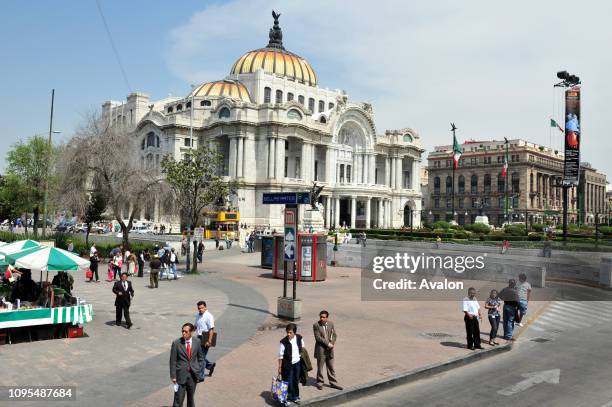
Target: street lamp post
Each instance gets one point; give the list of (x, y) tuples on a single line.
[(46, 196)]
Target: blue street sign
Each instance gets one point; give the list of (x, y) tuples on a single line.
[(286, 198)]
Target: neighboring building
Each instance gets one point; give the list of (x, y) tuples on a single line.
[(279, 131), (608, 204), (534, 172), (591, 195)]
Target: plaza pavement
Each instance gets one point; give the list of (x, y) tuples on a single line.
[(376, 340)]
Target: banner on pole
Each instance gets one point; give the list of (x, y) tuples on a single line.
[(290, 232), (573, 132)]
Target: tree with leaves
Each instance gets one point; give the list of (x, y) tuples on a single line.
[(96, 205), (196, 186), (105, 159), (31, 164)]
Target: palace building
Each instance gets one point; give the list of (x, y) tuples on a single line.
[(279, 130)]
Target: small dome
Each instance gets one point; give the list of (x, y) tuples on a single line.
[(276, 61), (227, 88)]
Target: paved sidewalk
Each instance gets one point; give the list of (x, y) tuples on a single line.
[(376, 340)]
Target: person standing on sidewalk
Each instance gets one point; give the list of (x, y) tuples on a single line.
[(155, 265), (492, 305), (173, 261), (325, 340), (124, 293), (93, 263), (524, 292), (471, 310), (185, 360), (289, 365), (205, 328), (141, 263), (511, 302)]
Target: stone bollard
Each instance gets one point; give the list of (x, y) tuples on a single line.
[(543, 277), (605, 273)]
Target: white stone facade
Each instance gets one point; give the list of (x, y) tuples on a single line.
[(271, 144)]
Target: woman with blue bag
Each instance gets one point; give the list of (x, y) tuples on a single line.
[(289, 366)]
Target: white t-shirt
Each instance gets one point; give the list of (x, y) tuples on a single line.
[(471, 306), (523, 289), (204, 322), (295, 351), (92, 251)]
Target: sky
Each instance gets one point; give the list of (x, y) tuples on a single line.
[(486, 66)]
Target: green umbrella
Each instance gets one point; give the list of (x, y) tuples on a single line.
[(17, 246), (49, 258)]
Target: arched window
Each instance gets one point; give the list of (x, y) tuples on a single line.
[(267, 95), (501, 183), (294, 114), (301, 100), (461, 184), (311, 103), (170, 109), (151, 140), (487, 184), (407, 138), (322, 119), (205, 103), (436, 185), (321, 106), (279, 96), (179, 107), (515, 182), (142, 145), (474, 184), (531, 182), (224, 113), (188, 105), (330, 106), (289, 97), (449, 185)]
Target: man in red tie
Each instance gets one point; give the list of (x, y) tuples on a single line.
[(186, 357)]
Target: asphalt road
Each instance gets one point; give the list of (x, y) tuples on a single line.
[(563, 359)]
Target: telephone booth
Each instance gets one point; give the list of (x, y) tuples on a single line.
[(311, 257)]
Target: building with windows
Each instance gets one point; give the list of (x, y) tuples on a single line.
[(534, 174), (279, 130), (591, 195)]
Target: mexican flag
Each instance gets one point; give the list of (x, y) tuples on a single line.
[(456, 152), (553, 123), (505, 168)]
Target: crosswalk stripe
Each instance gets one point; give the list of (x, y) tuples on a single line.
[(537, 328), (561, 312), (587, 305), (572, 324)]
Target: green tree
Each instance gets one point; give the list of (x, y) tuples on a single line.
[(32, 163), (13, 197), (96, 205), (196, 186)]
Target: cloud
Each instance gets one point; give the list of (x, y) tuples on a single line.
[(487, 66)]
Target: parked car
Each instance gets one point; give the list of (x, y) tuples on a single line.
[(143, 230)]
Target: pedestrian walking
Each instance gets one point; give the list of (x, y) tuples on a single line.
[(155, 265), (492, 305), (438, 241), (185, 360), (93, 263), (131, 265), (141, 262), (547, 249), (200, 251), (524, 292), (325, 340), (471, 311), (205, 330), (172, 262), (363, 239), (505, 246), (124, 293), (117, 263), (183, 245), (289, 361), (216, 241), (511, 302)]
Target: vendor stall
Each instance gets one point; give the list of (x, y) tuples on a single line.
[(74, 315)]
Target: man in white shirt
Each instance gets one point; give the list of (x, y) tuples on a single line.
[(289, 361), (524, 292), (93, 250), (205, 327), (471, 310)]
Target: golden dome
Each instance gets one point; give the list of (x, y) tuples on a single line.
[(276, 61), (227, 88)]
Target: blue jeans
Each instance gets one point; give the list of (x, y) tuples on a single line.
[(509, 317), (293, 391), (172, 270), (207, 364), (522, 310)]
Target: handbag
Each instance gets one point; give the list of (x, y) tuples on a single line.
[(89, 274), (279, 390)]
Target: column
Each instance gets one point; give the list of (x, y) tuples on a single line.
[(240, 156), (392, 169), (388, 171), (271, 157), (381, 222), (337, 212), (366, 172), (398, 173), (356, 169), (330, 166), (306, 161), (249, 156), (328, 204), (372, 169), (233, 148), (416, 175), (368, 212), (280, 159), (353, 212), (391, 214), (156, 216)]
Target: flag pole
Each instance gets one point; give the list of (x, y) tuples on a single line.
[(506, 181), (453, 128)]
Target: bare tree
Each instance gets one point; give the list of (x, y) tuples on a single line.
[(104, 159)]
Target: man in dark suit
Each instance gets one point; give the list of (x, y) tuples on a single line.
[(186, 357), (124, 294), (325, 340)]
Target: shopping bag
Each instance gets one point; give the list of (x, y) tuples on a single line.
[(279, 390), (89, 274)]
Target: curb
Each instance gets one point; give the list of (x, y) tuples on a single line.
[(402, 378), (416, 374)]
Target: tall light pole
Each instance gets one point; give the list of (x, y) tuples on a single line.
[(50, 148)]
